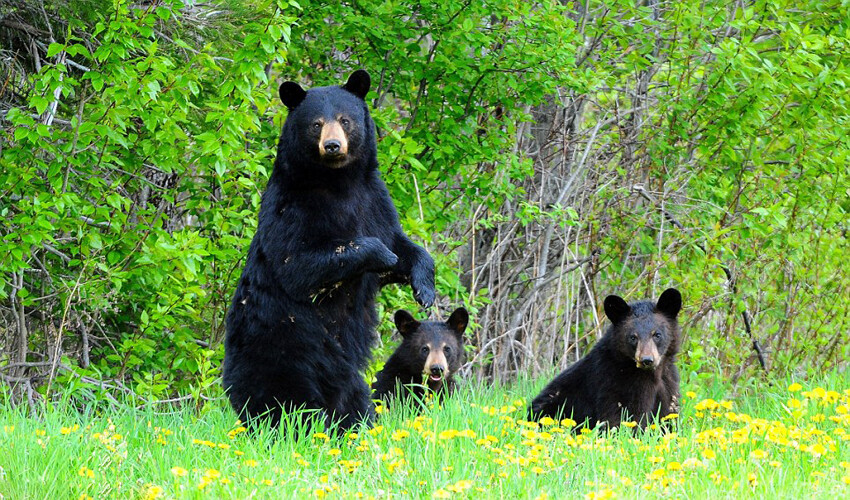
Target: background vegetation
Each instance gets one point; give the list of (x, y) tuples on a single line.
[(546, 153)]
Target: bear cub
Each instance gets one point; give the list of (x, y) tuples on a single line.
[(431, 352), (629, 373)]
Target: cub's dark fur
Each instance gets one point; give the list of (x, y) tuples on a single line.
[(631, 371), (430, 353)]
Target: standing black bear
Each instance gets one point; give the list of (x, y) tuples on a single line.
[(630, 370), (302, 321), (430, 354)]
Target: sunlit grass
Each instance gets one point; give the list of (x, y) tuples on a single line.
[(788, 441)]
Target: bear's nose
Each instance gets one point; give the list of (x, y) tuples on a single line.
[(647, 361), (332, 146), (437, 370)]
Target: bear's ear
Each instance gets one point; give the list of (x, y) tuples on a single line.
[(358, 83), (670, 303), (291, 94), (616, 308), (458, 321), (405, 323)]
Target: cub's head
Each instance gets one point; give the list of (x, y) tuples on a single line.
[(643, 331), (328, 126), (434, 347)]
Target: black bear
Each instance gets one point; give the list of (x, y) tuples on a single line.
[(430, 353), (631, 371), (302, 321)]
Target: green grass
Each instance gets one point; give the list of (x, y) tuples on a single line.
[(778, 444)]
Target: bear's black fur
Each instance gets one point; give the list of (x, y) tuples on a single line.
[(430, 353), (631, 370), (302, 321)]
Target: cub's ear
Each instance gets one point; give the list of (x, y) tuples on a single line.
[(670, 303), (458, 320), (616, 308), (291, 94), (358, 83), (405, 323)]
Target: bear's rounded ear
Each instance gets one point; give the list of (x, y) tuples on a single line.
[(616, 308), (291, 94), (358, 83), (405, 323), (458, 321), (670, 303)]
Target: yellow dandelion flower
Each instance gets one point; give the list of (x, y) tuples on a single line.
[(758, 454), (321, 436), (774, 463), (250, 463), (399, 434), (817, 449), (447, 434), (334, 452), (691, 395), (708, 454), (441, 493), (547, 421), (630, 425), (655, 475), (179, 471), (153, 492), (674, 466), (795, 387), (212, 473), (655, 460), (600, 495), (460, 486), (319, 493), (568, 422)]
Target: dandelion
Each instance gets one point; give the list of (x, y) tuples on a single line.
[(86, 472), (795, 387), (441, 493), (250, 463), (334, 452), (399, 434), (758, 454), (321, 436), (153, 492), (708, 454), (179, 471)]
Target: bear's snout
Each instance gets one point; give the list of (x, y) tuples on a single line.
[(332, 146)]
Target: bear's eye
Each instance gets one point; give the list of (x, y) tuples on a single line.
[(425, 349), (633, 338), (344, 121), (317, 125), (656, 335), (447, 349)]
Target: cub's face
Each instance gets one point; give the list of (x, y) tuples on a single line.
[(432, 346), (329, 125), (645, 332)]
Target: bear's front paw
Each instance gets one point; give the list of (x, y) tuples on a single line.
[(377, 256), (423, 291)]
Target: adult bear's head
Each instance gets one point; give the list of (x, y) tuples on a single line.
[(328, 127)]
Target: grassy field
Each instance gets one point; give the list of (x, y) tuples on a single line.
[(790, 441)]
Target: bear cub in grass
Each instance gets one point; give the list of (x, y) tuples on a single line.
[(302, 321), (630, 373), (431, 352)]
